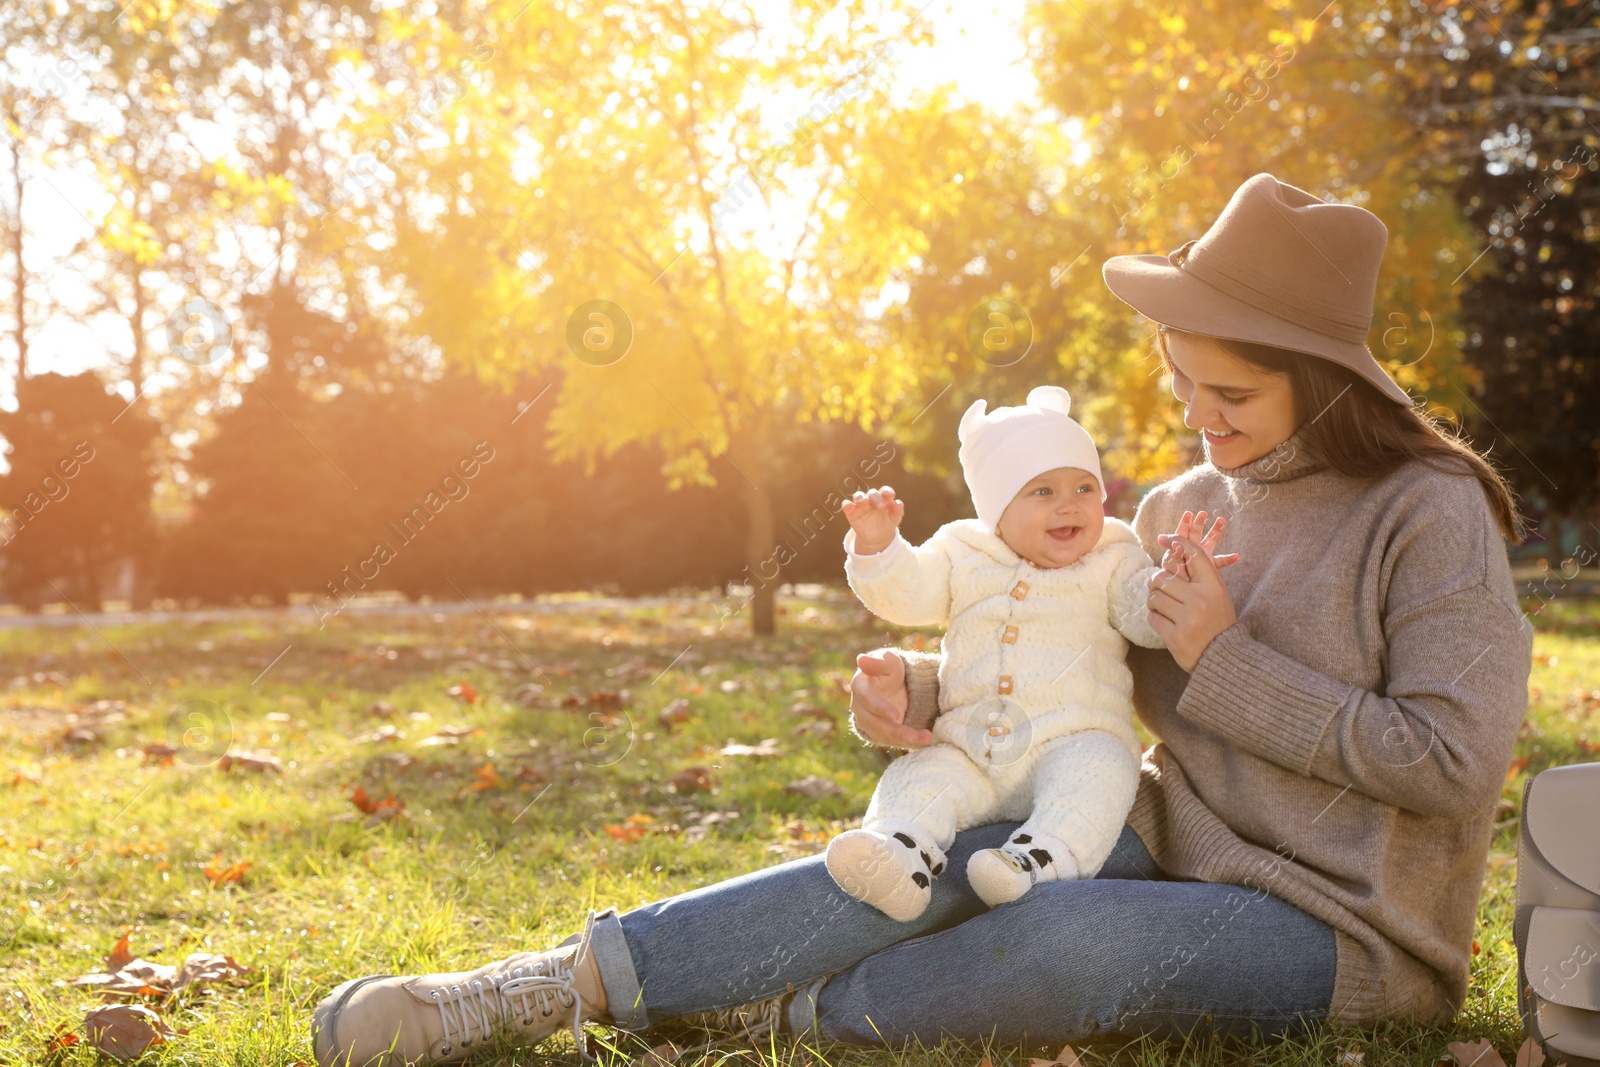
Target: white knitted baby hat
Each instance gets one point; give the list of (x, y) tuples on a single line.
[(1004, 450)]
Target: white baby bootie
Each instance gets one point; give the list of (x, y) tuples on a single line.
[(891, 867), (1001, 875)]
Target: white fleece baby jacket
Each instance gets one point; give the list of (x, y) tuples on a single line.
[(1045, 646)]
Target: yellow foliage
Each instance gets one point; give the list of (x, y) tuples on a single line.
[(788, 242)]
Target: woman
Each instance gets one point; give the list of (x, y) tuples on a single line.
[(1334, 715)]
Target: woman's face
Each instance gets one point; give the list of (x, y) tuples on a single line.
[(1242, 411)]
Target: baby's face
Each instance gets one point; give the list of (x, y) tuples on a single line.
[(1054, 519)]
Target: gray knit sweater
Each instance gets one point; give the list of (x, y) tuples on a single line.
[(1342, 746)]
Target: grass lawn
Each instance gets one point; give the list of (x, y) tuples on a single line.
[(535, 774)]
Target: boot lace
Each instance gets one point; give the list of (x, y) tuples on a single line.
[(472, 1012), (747, 1020)]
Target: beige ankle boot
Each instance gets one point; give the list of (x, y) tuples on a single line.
[(395, 1020), (794, 1011)]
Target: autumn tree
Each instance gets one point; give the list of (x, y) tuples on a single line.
[(1185, 101), (77, 497), (38, 64), (1508, 91), (635, 198)]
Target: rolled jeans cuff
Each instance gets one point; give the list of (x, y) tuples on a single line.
[(624, 999)]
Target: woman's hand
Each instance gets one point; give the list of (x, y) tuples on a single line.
[(1189, 612), (878, 702)]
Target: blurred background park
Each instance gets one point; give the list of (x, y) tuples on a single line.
[(317, 303)]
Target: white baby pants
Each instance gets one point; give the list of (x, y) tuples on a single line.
[(1076, 789)]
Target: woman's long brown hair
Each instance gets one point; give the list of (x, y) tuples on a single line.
[(1359, 430)]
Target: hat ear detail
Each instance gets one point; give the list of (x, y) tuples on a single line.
[(1051, 398), (972, 419)]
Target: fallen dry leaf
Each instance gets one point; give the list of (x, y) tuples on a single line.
[(61, 1039), (1475, 1053), (220, 875), (41, 678), (799, 831), (813, 729), (279, 716), (632, 829), (674, 714), (120, 956), (807, 710), (814, 787), (487, 778), (377, 811), (450, 735), (660, 1056), (1530, 1054), (767, 747), (260, 762), (125, 1031), (1067, 1057), (136, 978), (206, 967), (159, 752), (145, 978), (386, 732), (701, 823), (1353, 1057), (382, 709), (529, 694), (463, 691), (692, 780)]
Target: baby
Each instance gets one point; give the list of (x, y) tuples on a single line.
[(1040, 594)]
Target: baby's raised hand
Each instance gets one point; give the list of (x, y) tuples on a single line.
[(1192, 528), (874, 516)]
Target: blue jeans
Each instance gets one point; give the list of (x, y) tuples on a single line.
[(1127, 952)]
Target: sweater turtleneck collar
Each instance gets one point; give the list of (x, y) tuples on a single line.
[(1291, 459)]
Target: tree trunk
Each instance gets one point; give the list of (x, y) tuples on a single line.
[(22, 277), (89, 579), (140, 597), (761, 565), (1554, 555), (762, 561), (136, 368)]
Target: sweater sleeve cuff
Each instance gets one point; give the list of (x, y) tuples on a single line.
[(867, 568), (1261, 699), (922, 687)]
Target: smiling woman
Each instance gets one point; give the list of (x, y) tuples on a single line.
[(1247, 398)]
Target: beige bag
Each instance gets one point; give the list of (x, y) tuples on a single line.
[(1557, 928)]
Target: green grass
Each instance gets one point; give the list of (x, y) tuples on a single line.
[(96, 840)]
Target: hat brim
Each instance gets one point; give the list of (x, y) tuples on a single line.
[(1156, 289)]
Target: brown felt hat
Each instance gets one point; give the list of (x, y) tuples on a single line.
[(1278, 267)]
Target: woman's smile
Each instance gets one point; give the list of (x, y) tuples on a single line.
[(1241, 411)]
